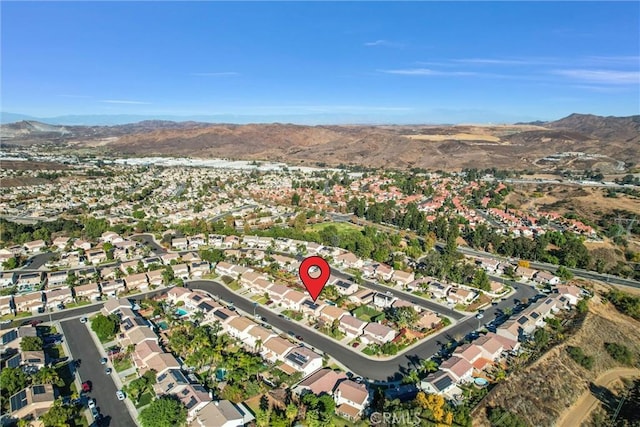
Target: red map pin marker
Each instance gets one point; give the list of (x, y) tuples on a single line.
[(314, 285)]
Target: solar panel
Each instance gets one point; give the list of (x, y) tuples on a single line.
[(221, 315), (297, 358), (9, 336), (14, 362), (39, 389), (18, 400), (522, 320), (443, 382)]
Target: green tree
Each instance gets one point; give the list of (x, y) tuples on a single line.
[(164, 412), (481, 280), (428, 365), (48, 375), (58, 415), (295, 199), (31, 344), (105, 327), (93, 227), (12, 380), (619, 352), (10, 264)]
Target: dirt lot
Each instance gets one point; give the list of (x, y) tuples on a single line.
[(541, 392)]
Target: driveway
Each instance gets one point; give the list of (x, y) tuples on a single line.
[(104, 390)]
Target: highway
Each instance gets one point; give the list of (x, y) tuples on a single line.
[(465, 250), (378, 370)]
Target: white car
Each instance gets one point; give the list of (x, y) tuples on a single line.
[(120, 395), (83, 320), (92, 403)]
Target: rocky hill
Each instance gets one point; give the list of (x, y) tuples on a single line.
[(613, 139)]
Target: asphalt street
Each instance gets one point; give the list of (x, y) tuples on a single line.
[(378, 370), (103, 388)]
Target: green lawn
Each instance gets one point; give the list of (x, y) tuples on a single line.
[(260, 299), (341, 226), (234, 286), (368, 351), (77, 304), (122, 364), (366, 313), (21, 314)]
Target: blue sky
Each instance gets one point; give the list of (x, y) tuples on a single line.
[(411, 62)]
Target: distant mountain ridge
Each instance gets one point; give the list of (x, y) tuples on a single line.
[(615, 141)]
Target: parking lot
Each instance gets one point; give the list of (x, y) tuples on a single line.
[(103, 388)]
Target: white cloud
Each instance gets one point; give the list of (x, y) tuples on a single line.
[(427, 72), (124, 101), (216, 74), (384, 43), (601, 76), (490, 61)]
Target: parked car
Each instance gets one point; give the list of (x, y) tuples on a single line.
[(92, 403), (120, 395), (103, 361), (86, 386), (35, 322), (107, 371), (83, 320)]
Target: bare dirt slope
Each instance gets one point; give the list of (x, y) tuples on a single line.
[(520, 146), (541, 392), (580, 411)]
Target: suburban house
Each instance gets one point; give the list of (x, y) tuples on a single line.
[(222, 413), (438, 290), (351, 399), (238, 327), (155, 277), (352, 326), (35, 246), (81, 244), (257, 336), (440, 382), (321, 381), (293, 300), (428, 320), (57, 278), (5, 304), (58, 296), (364, 296), (275, 349), (377, 333), (525, 272), (546, 278), (28, 281), (461, 296), (194, 397), (329, 313), (7, 279), (460, 369), (143, 352), (180, 271), (383, 300), (60, 242), (349, 260), (168, 257), (490, 265), (402, 277), (160, 363), (96, 256), (303, 360), (180, 243), (383, 271), (178, 293), (199, 268), (32, 401), (572, 293), (112, 287), (28, 302), (346, 288), (224, 316), (136, 281)]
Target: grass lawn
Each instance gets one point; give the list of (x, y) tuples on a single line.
[(234, 286), (260, 299), (341, 226), (122, 364), (295, 315), (21, 314), (77, 304), (366, 313), (368, 351)]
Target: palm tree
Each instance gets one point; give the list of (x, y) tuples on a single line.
[(258, 345), (198, 316), (428, 365), (48, 375)]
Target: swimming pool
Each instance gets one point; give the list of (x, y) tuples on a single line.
[(181, 312), (481, 382), (163, 325)]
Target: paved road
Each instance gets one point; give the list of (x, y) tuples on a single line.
[(405, 295), (149, 240), (104, 390), (37, 261), (383, 370)]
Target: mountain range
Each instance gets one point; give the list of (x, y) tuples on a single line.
[(610, 144)]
